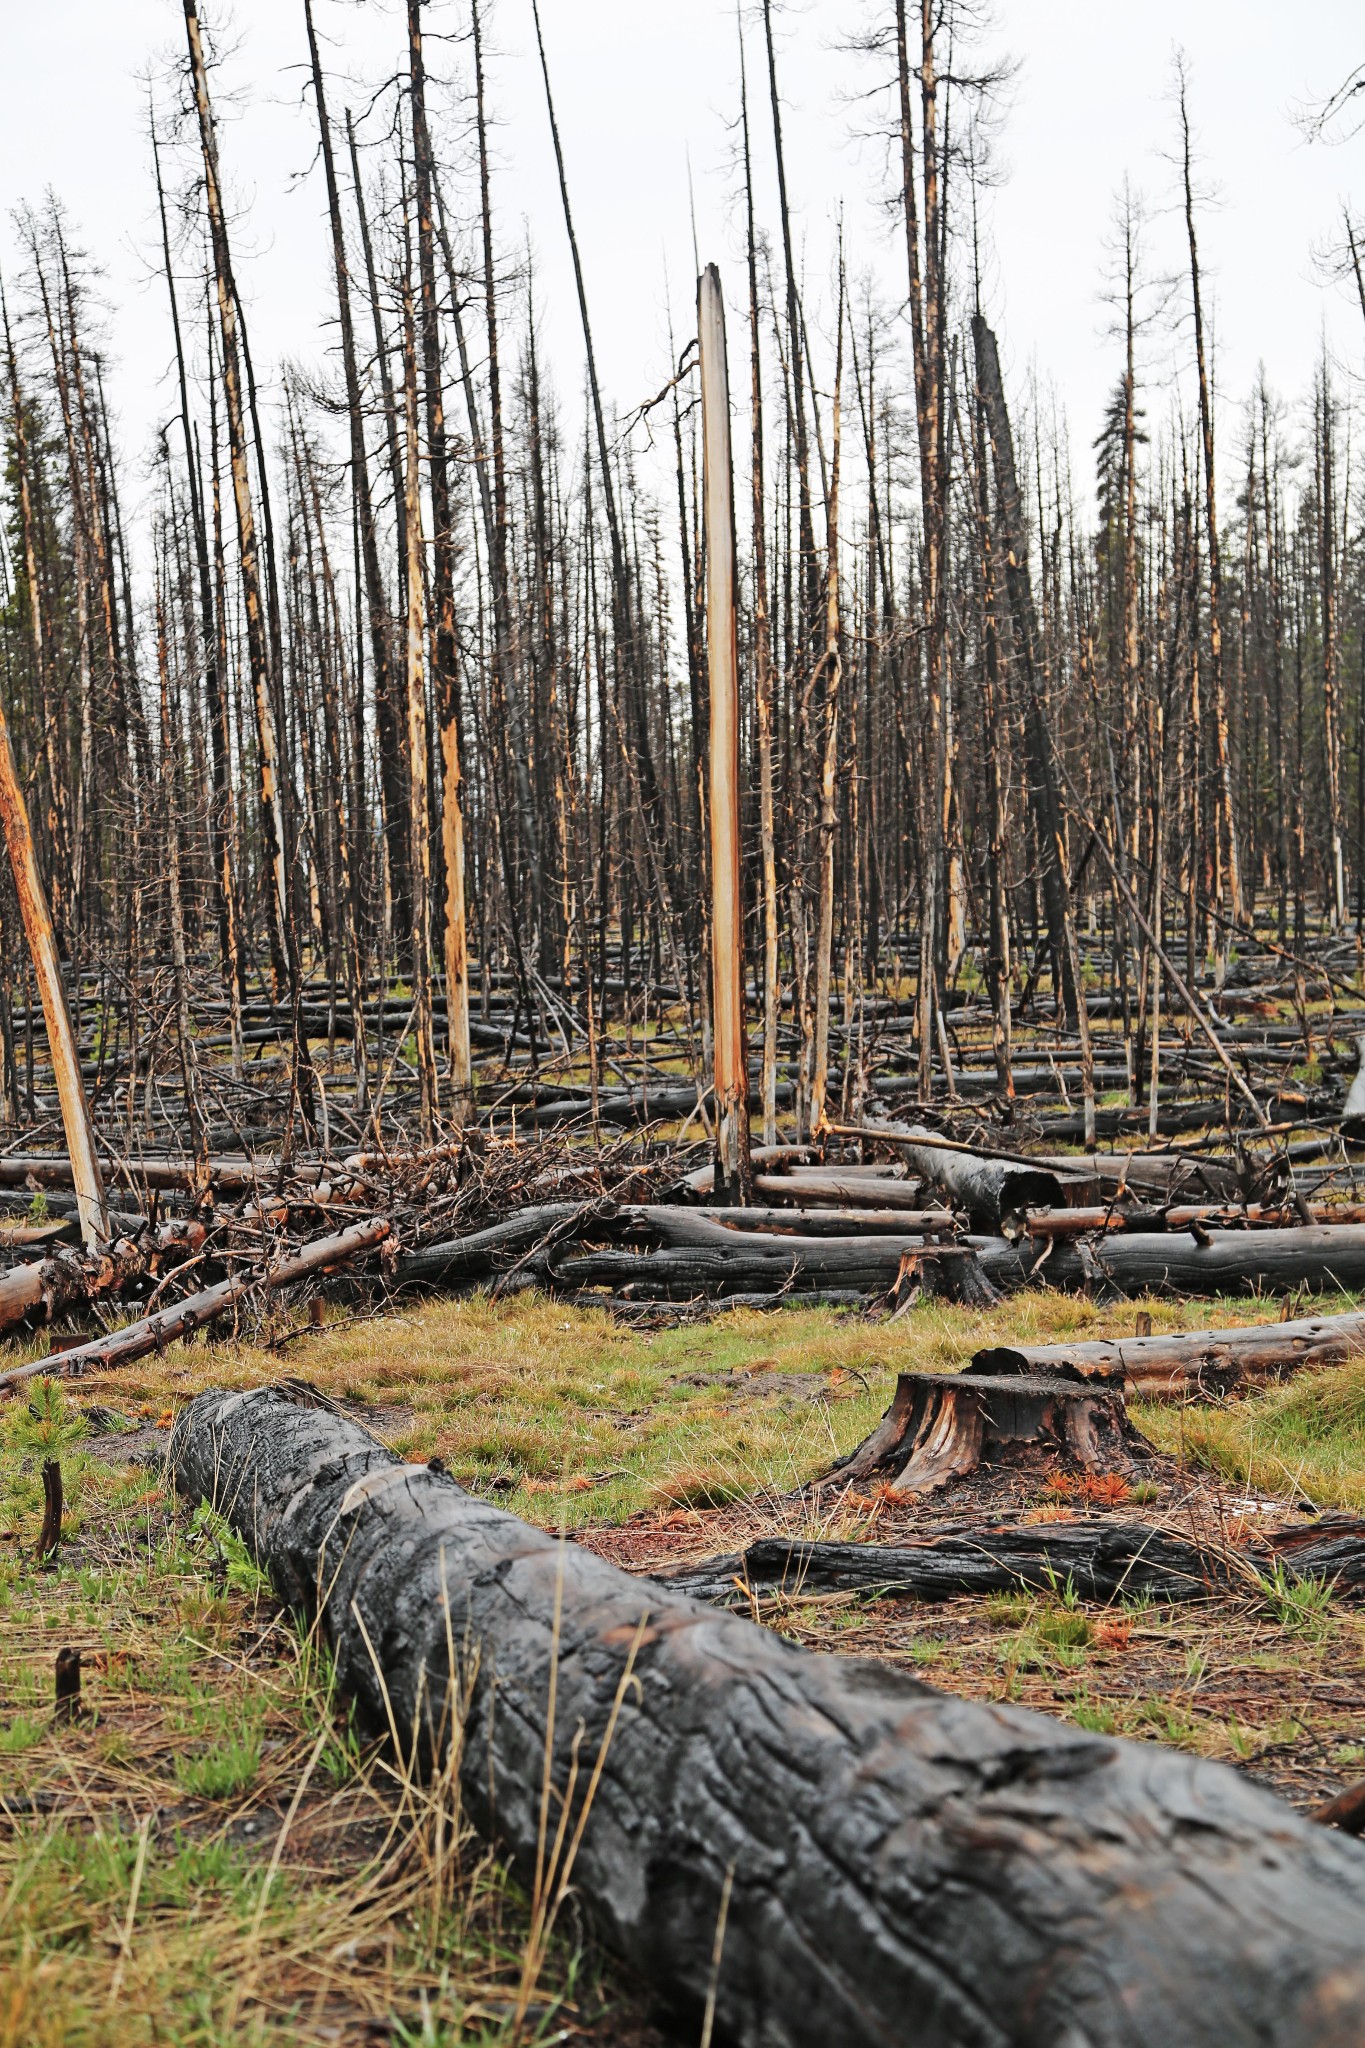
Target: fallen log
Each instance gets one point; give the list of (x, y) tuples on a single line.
[(847, 1190), (231, 1173), (1324, 1257), (1101, 1560), (1184, 1363), (154, 1332), (483, 1252), (753, 1263), (891, 1859), (43, 1289), (990, 1190), (941, 1426), (1104, 1559), (1149, 1173)]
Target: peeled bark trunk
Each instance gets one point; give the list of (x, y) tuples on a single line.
[(888, 1856)]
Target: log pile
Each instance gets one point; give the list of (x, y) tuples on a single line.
[(889, 1856)]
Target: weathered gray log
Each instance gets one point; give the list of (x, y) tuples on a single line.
[(941, 1426), (1185, 1363), (753, 1262), (898, 1863), (990, 1190), (1189, 1174), (483, 1252), (1322, 1256)]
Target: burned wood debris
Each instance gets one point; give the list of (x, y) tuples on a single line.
[(872, 1847)]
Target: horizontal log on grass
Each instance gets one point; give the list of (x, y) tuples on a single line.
[(1178, 1363), (1322, 1257), (154, 1333), (1102, 1560), (868, 1265), (883, 1859)]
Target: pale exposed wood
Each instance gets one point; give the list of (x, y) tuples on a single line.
[(733, 1171)]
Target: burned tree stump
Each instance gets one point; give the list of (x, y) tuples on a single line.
[(50, 1533), (67, 1705), (941, 1426)]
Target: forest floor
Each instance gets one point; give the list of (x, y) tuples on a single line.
[(208, 1853)]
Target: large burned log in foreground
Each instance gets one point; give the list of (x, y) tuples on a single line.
[(900, 1864)]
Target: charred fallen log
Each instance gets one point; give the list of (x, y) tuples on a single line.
[(1184, 1363), (990, 1190), (884, 1850), (1104, 1559), (941, 1426), (1101, 1560), (754, 1263)]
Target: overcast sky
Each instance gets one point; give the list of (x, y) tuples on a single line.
[(647, 96)]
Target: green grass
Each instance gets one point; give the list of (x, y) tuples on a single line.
[(137, 1908), (1305, 1437)]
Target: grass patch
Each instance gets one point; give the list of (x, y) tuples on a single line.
[(1304, 1438)]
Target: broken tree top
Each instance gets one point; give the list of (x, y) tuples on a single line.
[(896, 1865)]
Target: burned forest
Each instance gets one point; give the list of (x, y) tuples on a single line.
[(682, 1060)]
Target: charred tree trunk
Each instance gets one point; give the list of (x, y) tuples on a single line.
[(870, 1847)]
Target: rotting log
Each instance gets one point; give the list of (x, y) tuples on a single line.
[(942, 1426), (169, 1325), (1183, 1363), (891, 1858)]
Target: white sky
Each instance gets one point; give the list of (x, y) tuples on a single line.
[(646, 88)]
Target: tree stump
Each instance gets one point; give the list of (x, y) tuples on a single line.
[(942, 1426)]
